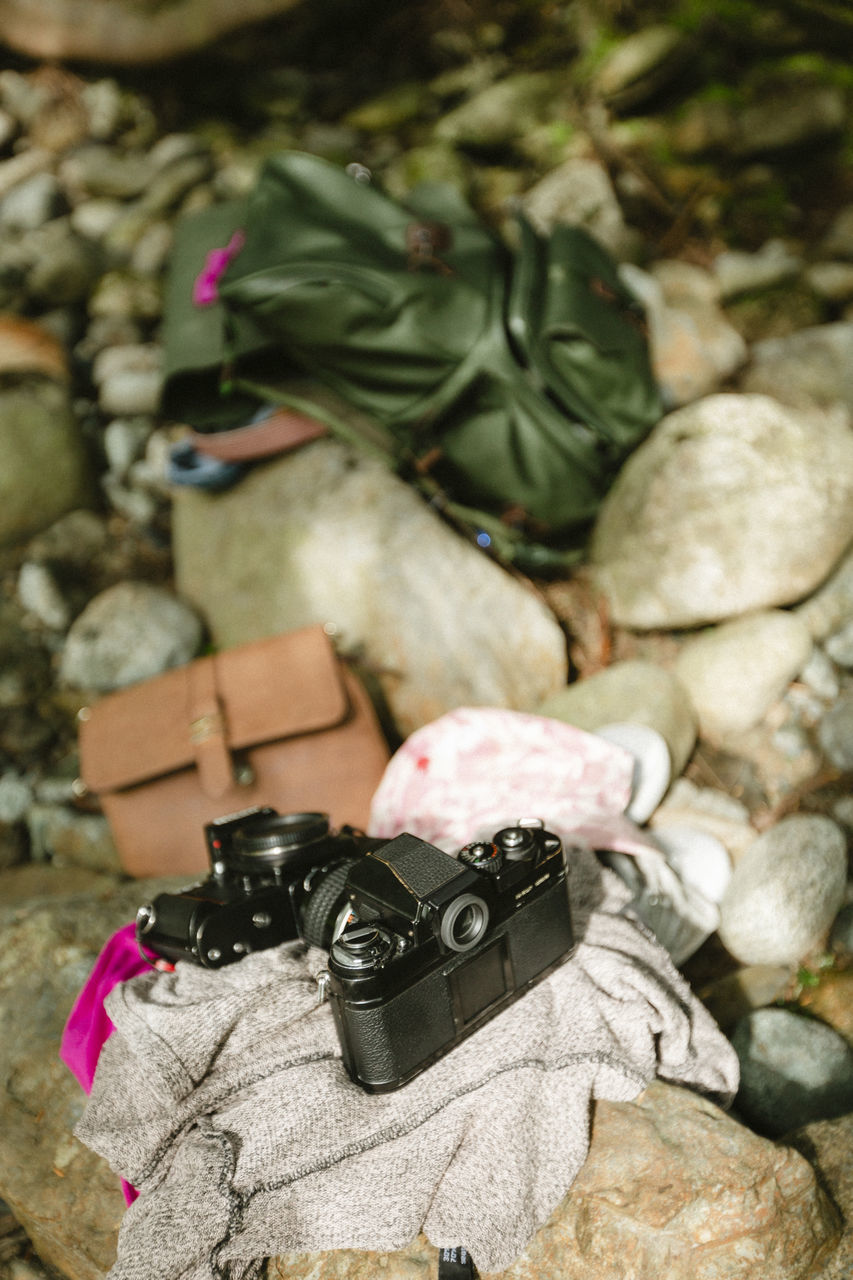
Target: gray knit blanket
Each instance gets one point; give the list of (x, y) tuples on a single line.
[(221, 1096)]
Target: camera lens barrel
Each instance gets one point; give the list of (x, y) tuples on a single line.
[(324, 904)]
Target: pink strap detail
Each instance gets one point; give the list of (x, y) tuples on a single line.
[(206, 287), (89, 1025)]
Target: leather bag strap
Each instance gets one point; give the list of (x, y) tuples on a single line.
[(208, 729)]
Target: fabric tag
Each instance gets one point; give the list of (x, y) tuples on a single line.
[(456, 1264)]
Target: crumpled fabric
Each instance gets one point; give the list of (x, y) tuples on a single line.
[(476, 769), (222, 1097)]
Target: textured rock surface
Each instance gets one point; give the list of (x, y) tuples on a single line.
[(321, 536), (67, 1198), (827, 1145), (733, 503), (672, 1188)]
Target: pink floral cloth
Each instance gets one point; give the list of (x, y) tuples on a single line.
[(477, 769)]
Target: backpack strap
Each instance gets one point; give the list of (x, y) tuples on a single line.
[(279, 431)]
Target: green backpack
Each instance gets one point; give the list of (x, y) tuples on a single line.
[(511, 385)]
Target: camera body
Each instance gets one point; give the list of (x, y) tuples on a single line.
[(274, 878), (437, 945)]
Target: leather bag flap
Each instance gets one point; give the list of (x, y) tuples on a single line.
[(269, 690)]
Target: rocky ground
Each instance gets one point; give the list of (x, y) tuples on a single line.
[(716, 603)]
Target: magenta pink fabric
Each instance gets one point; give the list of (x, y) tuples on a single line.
[(206, 287), (89, 1025)]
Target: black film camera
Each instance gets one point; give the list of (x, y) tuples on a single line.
[(274, 877), (438, 945)]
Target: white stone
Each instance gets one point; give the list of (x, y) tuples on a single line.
[(785, 892), (652, 766), (732, 504), (127, 633), (734, 672)]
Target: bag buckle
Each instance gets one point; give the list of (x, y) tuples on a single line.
[(210, 725)]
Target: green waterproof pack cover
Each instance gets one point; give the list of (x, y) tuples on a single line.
[(515, 382)]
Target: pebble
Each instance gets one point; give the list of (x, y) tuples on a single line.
[(813, 366), (31, 203), (785, 892), (15, 797), (831, 280), (732, 997), (734, 672), (634, 690), (839, 646), (706, 809), (39, 593), (819, 674), (693, 347), (738, 272), (127, 633), (835, 733), (793, 1070), (580, 192), (124, 443), (838, 241), (129, 379)]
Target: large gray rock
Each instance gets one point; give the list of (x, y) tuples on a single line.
[(785, 892), (39, 441), (734, 672), (734, 503), (325, 536), (793, 1070)]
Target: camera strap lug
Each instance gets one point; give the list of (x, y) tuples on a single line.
[(323, 980)]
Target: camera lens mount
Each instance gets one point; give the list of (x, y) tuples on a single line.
[(464, 922), (271, 840)]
